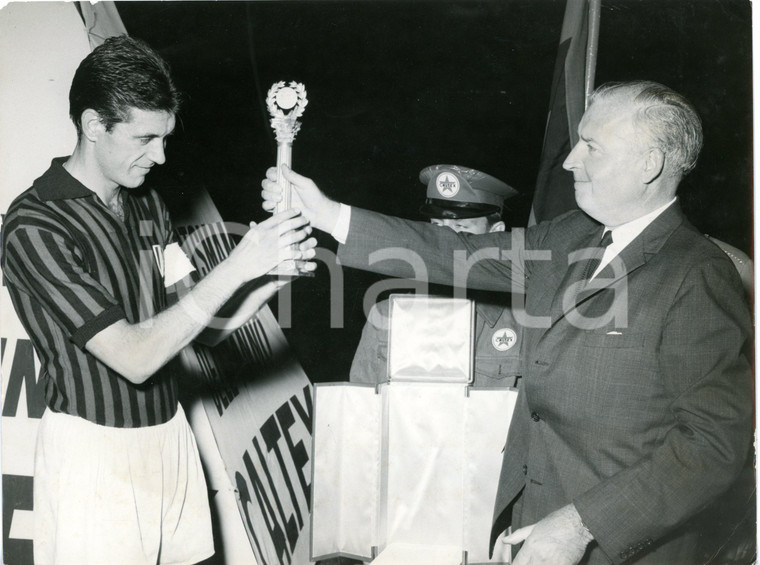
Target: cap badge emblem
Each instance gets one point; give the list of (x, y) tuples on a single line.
[(447, 185), (503, 339)]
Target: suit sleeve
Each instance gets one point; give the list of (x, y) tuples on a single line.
[(370, 364), (422, 251), (704, 371)]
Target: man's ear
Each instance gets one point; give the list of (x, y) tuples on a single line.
[(498, 226), (654, 162), (92, 125)]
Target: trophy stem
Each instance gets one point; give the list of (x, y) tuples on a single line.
[(284, 157), (284, 153)]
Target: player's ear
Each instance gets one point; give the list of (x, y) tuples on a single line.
[(92, 125)]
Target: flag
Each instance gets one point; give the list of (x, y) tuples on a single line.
[(571, 84), (102, 20)]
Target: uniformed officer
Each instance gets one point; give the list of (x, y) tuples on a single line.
[(464, 200)]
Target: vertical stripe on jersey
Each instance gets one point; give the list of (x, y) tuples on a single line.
[(68, 260)]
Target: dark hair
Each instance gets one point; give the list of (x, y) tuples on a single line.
[(121, 74), (667, 117)]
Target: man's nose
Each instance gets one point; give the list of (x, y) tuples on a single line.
[(571, 162), (157, 152)]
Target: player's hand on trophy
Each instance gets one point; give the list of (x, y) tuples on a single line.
[(318, 208), (278, 240)]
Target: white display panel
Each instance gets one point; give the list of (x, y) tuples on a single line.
[(409, 467), (430, 339)]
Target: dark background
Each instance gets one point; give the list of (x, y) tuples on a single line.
[(394, 86)]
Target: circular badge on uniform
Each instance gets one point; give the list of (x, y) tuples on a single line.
[(447, 185), (504, 339)]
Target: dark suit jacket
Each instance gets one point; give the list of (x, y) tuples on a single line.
[(640, 421)]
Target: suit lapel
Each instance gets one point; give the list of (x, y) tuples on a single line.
[(573, 274), (633, 256)]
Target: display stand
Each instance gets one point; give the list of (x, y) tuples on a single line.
[(407, 472)]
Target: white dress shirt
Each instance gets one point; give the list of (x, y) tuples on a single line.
[(624, 234)]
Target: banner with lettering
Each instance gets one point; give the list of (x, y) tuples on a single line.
[(258, 401)]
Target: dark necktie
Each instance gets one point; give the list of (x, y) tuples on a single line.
[(593, 262)]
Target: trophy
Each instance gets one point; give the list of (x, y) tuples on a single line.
[(285, 105)]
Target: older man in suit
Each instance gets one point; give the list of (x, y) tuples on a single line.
[(635, 411)]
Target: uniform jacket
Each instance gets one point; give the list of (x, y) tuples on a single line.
[(640, 421), (498, 340)]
